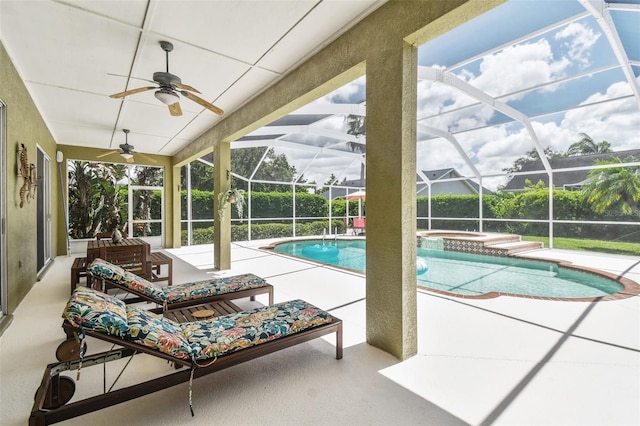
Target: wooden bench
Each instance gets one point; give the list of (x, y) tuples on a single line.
[(158, 259), (78, 270)]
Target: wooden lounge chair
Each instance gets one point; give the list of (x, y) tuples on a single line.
[(203, 346), (181, 295)]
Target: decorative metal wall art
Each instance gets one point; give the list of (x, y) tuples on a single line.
[(28, 173)]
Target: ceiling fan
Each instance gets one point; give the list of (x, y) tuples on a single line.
[(169, 85), (126, 150)]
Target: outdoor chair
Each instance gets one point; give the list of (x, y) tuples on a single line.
[(181, 295), (133, 259), (203, 346), (359, 225)]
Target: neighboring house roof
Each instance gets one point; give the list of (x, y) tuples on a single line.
[(463, 186), (341, 192), (564, 179)]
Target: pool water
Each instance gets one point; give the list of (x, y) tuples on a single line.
[(468, 274)]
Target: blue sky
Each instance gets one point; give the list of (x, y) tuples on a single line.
[(578, 47)]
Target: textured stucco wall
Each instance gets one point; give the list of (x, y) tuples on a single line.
[(24, 126)]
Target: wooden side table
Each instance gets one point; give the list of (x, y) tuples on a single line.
[(158, 259)]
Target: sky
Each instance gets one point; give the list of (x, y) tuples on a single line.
[(544, 76)]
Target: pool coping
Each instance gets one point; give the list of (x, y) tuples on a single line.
[(630, 287)]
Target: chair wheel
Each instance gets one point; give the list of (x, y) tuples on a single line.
[(69, 350), (59, 392)]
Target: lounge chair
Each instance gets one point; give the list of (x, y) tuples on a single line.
[(181, 295), (203, 346)]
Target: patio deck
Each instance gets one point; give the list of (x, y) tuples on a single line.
[(508, 361)]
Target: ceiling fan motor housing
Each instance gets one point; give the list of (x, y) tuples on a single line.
[(166, 78)]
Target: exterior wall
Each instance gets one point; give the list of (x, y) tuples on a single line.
[(454, 187), (24, 126)]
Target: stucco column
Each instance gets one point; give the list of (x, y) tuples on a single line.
[(391, 200), (222, 229), (176, 204)]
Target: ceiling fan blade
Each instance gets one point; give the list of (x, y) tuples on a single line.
[(107, 153), (129, 160), (202, 102), (131, 92), (185, 87), (175, 110), (146, 157), (130, 76)]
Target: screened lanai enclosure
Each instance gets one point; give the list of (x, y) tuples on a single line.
[(528, 122), (533, 129)]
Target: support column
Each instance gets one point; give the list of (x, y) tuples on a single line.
[(222, 229), (391, 200), (176, 201)]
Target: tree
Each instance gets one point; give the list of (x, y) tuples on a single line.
[(273, 168), (142, 199), (356, 124), (616, 187), (529, 157), (201, 176), (586, 145), (332, 180), (93, 198)]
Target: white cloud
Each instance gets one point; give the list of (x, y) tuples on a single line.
[(578, 39), (616, 122), (346, 93), (522, 65)]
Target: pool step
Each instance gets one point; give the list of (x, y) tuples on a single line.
[(489, 244), (513, 247)]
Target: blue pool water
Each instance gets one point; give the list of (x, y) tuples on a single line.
[(468, 274)]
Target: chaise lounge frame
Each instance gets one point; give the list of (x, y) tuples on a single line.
[(49, 385)]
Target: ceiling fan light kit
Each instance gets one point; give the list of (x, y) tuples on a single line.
[(167, 97), (167, 89)]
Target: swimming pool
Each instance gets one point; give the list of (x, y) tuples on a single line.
[(469, 275)]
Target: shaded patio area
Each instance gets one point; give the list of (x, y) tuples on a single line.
[(499, 361)]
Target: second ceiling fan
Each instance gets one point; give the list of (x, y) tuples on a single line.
[(168, 87), (126, 150)]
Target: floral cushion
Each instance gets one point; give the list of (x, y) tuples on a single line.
[(200, 289), (96, 311), (195, 340), (106, 270), (229, 333), (155, 331)]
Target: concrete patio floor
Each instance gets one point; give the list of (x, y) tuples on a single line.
[(505, 361)]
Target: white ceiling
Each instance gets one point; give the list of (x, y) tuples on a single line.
[(73, 54)]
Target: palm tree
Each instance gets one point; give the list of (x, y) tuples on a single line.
[(616, 187), (586, 145), (93, 198)]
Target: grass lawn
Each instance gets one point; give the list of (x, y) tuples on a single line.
[(613, 247)]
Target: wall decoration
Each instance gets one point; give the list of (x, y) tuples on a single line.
[(27, 172)]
